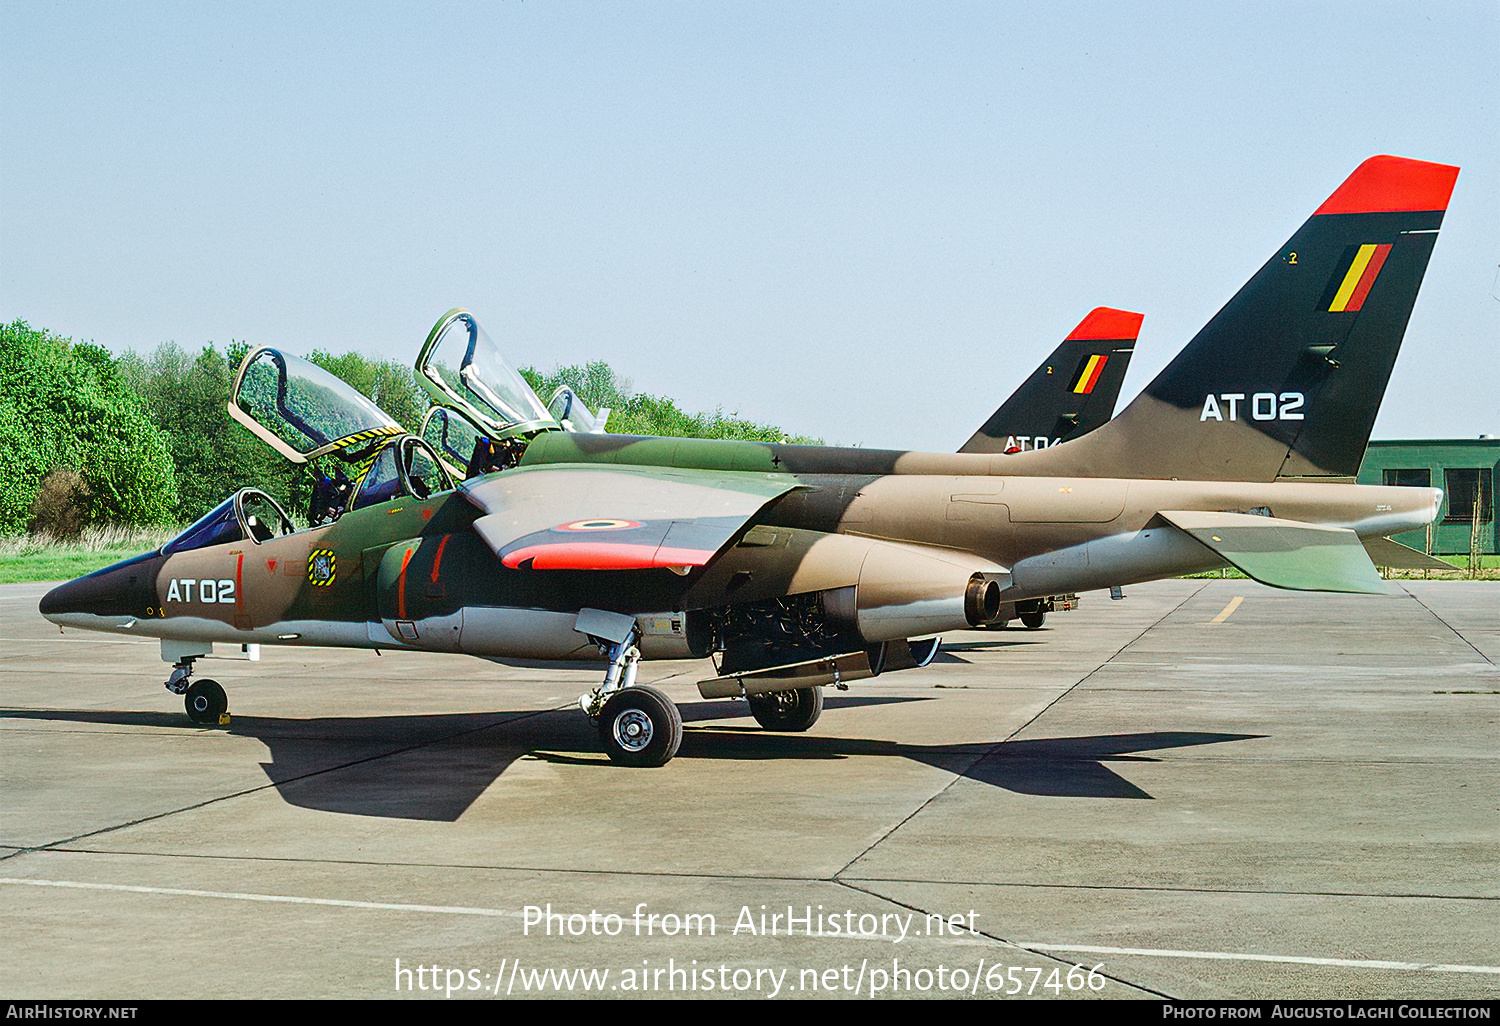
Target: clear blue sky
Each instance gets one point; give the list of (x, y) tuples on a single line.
[(864, 221)]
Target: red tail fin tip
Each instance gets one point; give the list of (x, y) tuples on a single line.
[(1103, 322), (1384, 184)]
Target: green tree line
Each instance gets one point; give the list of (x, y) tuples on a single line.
[(148, 439), (632, 413)]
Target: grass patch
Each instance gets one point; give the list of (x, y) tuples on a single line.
[(44, 558), (1489, 570)]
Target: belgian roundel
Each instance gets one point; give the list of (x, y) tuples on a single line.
[(598, 524)]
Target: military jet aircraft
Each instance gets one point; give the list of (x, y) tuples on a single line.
[(797, 567)]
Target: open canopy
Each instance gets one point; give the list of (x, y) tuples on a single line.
[(460, 366), (301, 410)]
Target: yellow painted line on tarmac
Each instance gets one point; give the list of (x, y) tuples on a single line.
[(1228, 610)]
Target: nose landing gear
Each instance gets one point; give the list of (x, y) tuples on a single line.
[(204, 699)]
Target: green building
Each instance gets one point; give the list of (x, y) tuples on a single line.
[(1464, 468)]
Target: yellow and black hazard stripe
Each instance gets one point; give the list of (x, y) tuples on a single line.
[(322, 567), (353, 440), (358, 468)]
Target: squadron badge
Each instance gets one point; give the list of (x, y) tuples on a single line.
[(322, 567)]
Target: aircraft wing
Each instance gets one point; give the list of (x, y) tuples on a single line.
[(577, 517), (1284, 553)]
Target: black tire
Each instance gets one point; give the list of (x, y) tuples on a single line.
[(1033, 620), (640, 727), (205, 701), (787, 711)]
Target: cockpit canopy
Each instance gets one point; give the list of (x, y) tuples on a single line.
[(453, 435), (249, 514), (301, 410), (304, 412), (573, 413), (460, 366)]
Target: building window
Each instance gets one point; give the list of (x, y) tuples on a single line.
[(1407, 478), (1464, 488)]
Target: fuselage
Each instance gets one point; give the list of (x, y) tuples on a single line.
[(413, 574)]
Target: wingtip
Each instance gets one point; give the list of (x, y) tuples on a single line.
[(1105, 322), (1387, 184)]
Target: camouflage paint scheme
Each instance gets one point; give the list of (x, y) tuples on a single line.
[(774, 555)]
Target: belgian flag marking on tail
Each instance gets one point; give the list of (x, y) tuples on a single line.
[(1357, 271), (1088, 373)]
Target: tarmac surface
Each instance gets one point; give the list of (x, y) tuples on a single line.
[(1208, 790)]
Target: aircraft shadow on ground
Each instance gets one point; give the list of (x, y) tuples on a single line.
[(434, 767)]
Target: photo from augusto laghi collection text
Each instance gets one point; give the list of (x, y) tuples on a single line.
[(994, 969)]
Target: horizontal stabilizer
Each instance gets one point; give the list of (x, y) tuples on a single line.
[(566, 517), (1284, 553), (1384, 552)]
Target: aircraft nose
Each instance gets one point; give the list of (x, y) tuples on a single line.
[(124, 589)]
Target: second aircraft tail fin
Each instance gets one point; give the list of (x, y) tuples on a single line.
[(1071, 393)]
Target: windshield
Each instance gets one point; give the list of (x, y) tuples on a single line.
[(215, 527), (460, 364), (300, 409), (248, 513), (404, 467)]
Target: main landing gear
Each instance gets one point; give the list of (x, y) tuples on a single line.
[(638, 726), (204, 699), (790, 711)]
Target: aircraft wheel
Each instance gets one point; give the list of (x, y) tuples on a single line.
[(790, 711), (1034, 620), (640, 726), (205, 701)]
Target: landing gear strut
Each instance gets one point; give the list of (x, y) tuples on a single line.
[(639, 726), (204, 699)]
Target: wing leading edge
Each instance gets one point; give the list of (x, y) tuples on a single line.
[(574, 517)]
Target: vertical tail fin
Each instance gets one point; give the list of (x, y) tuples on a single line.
[(1071, 393), (1286, 380)]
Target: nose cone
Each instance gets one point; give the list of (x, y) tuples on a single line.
[(124, 590)]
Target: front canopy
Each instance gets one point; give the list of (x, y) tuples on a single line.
[(301, 410)]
